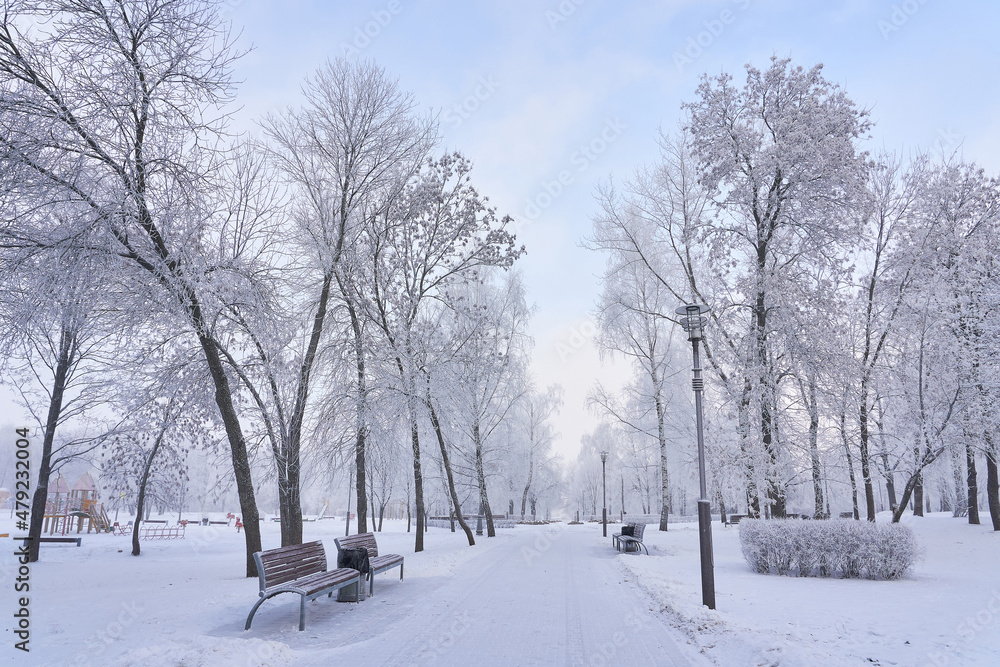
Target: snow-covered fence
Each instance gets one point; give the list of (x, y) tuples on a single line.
[(849, 549)]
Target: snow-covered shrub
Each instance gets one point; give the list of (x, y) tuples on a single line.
[(848, 549)]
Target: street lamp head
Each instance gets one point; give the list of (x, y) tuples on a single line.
[(604, 457), (692, 319)]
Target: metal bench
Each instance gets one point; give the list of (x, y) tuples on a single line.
[(299, 569), (378, 563), (628, 542)]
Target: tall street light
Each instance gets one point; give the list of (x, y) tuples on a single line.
[(604, 481), (693, 322)]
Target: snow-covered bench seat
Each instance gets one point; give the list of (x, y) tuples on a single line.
[(378, 563), (627, 542), (300, 569)]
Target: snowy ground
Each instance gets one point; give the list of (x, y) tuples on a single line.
[(534, 595), (947, 612)]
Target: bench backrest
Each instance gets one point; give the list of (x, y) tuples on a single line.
[(364, 540), (638, 529), (284, 564)]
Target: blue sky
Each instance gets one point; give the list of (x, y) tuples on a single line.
[(522, 85)]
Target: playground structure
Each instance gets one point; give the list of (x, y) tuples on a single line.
[(80, 503)]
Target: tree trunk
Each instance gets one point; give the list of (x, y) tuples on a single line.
[(661, 437), (961, 496), (237, 444), (890, 488), (866, 472), (484, 500), (361, 407), (907, 491), (446, 462), (531, 472), (743, 412), (850, 466), (918, 480), (67, 352), (817, 473), (918, 495), (887, 473), (418, 481), (970, 460), (142, 488), (992, 482), (775, 490), (289, 498)]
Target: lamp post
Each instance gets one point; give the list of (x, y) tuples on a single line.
[(692, 320), (604, 482)]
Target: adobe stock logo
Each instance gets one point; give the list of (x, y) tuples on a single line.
[(365, 34), (585, 155), (459, 112), (697, 44), (898, 17)]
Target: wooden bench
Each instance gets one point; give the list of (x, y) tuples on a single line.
[(300, 569), (378, 563), (734, 519), (57, 540)]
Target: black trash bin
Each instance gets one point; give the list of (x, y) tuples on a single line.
[(356, 559)]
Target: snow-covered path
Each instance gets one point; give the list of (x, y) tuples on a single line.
[(553, 596)]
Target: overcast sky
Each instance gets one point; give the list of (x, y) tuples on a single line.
[(534, 89)]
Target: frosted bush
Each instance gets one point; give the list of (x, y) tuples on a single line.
[(845, 548)]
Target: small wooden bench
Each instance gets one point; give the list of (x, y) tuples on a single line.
[(57, 540), (627, 542), (300, 569), (734, 519), (378, 563)]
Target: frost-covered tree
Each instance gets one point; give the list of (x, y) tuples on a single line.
[(346, 154), (633, 322), (437, 231), (488, 329), (780, 160), (60, 327), (533, 430), (137, 148)]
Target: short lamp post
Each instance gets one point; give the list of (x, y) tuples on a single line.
[(604, 482), (693, 322)]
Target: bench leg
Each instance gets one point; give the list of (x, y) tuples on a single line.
[(302, 613), (252, 612)]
